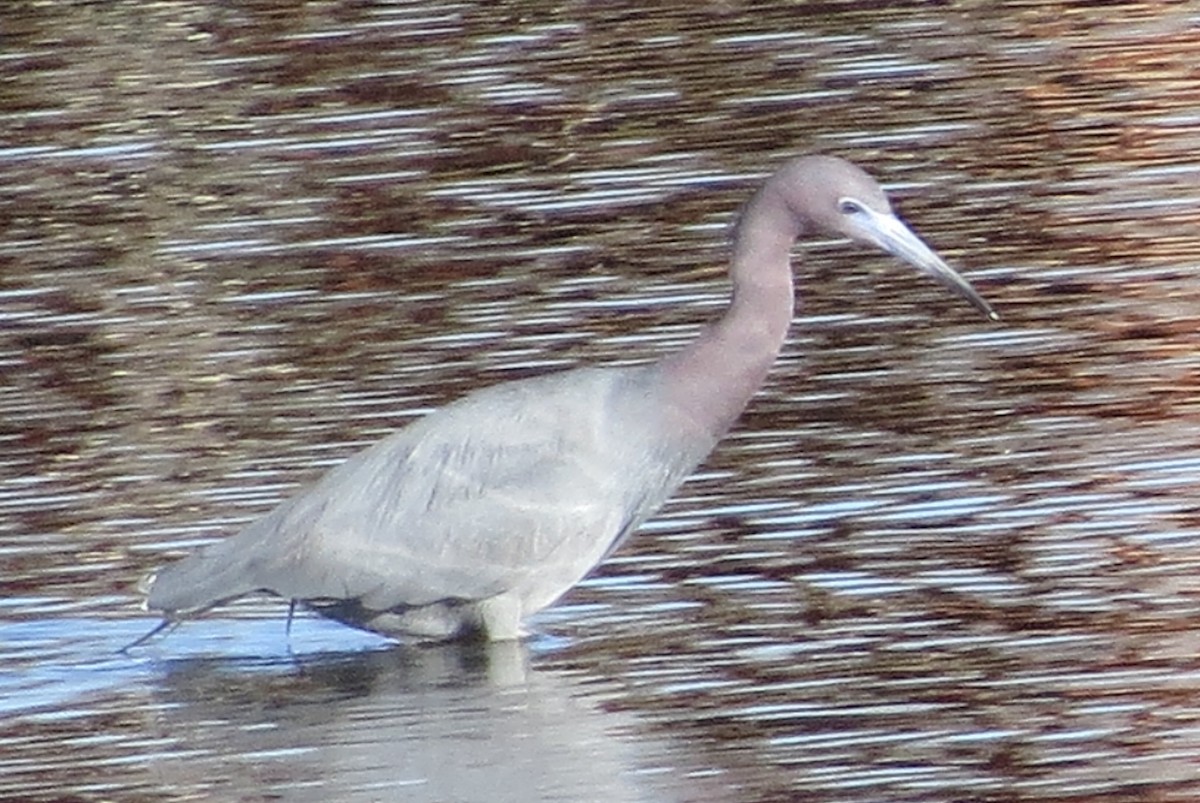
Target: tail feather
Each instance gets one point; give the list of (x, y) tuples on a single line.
[(200, 581)]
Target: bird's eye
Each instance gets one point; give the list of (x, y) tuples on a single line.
[(849, 206)]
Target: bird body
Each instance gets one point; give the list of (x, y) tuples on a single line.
[(487, 510), (459, 508)]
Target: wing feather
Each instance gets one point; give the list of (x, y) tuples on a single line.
[(463, 504)]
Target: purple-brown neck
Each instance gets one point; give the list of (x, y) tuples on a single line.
[(712, 379)]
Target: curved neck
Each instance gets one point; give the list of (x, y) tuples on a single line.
[(712, 379)]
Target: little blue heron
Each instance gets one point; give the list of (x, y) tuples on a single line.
[(475, 516)]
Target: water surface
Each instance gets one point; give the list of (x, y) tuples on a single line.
[(938, 559)]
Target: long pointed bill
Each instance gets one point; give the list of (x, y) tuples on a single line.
[(889, 234)]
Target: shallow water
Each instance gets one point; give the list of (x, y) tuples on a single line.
[(938, 559)]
